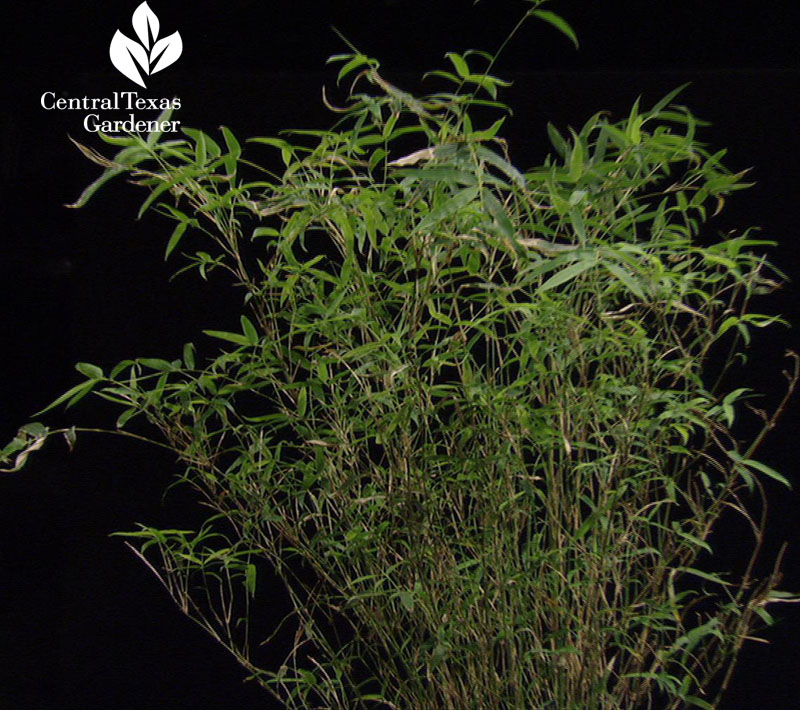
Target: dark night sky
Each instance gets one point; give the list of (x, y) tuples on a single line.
[(84, 625)]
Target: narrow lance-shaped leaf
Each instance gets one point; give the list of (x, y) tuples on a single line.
[(188, 355), (490, 132), (120, 163), (146, 24), (628, 279), (166, 51), (250, 579), (123, 51), (568, 273), (576, 159), (91, 371), (234, 150), (449, 208), (557, 140), (767, 471), (71, 396), (302, 401), (175, 238), (250, 332), (164, 117), (236, 338), (558, 22), (459, 63)]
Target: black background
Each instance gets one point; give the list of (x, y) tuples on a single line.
[(82, 623)]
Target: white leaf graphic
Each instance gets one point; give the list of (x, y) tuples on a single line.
[(152, 54), (122, 52), (169, 48), (142, 17)]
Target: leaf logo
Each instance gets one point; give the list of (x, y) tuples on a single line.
[(151, 55)]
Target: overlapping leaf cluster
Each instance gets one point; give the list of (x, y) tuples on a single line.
[(467, 418)]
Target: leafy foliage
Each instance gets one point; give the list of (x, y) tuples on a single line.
[(467, 417)]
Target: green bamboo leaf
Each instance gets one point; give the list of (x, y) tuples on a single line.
[(205, 145), (86, 195), (776, 595), (634, 123), (34, 430), (499, 214), (616, 135), (503, 165), (407, 600), (234, 148), (575, 159), (444, 74), (448, 209), (355, 61), (71, 437), (153, 136), (767, 471), (91, 371), (568, 274), (667, 100), (71, 396), (488, 83), (437, 173), (286, 148), (693, 539), (249, 331), (557, 140), (302, 402), (234, 151), (126, 141), (459, 64), (126, 416), (558, 22), (441, 317), (155, 363), (490, 132), (388, 127), (626, 278), (236, 338), (188, 355), (250, 579), (175, 238), (155, 193), (708, 576)]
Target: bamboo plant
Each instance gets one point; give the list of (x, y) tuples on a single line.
[(468, 419)]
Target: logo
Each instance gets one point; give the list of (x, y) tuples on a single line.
[(150, 54)]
